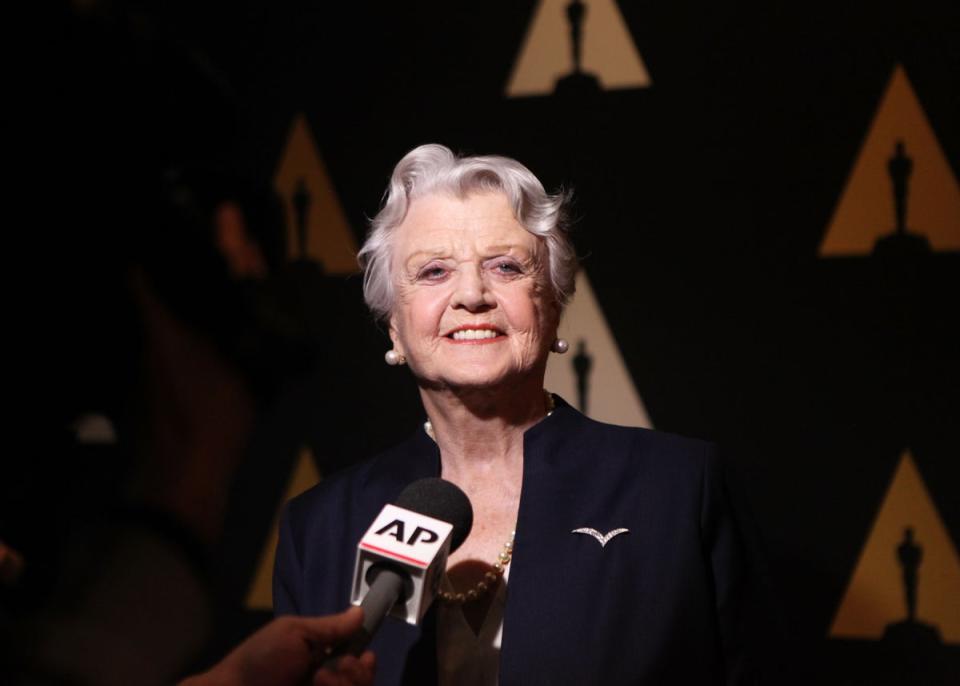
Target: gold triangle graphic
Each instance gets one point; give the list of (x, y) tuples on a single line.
[(260, 593), (317, 228), (608, 50), (865, 211), (876, 595), (611, 395)]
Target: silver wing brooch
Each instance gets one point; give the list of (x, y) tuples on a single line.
[(602, 539)]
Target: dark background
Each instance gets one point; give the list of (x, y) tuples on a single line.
[(700, 202)]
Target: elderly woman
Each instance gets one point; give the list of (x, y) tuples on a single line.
[(598, 554)]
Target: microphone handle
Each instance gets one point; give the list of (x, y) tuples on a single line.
[(382, 596)]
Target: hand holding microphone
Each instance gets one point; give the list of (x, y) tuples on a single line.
[(286, 651), (403, 555)]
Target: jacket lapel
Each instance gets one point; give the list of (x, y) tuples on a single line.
[(542, 572)]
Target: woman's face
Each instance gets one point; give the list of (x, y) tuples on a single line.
[(473, 308)]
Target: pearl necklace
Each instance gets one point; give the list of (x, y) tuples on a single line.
[(547, 398), (488, 581)]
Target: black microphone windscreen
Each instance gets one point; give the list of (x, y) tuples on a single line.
[(441, 500)]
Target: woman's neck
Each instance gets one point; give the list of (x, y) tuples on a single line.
[(482, 429)]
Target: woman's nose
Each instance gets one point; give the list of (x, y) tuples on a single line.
[(471, 292)]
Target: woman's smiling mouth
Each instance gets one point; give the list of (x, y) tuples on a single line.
[(475, 334)]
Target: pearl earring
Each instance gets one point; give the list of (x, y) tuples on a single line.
[(560, 346), (394, 358)]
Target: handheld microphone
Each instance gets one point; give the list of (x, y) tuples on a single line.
[(402, 556)]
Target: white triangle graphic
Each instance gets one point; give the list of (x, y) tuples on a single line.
[(547, 55), (329, 239), (865, 210), (260, 593), (875, 598), (611, 394)]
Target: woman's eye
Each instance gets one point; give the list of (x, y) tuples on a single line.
[(507, 268), (432, 273)]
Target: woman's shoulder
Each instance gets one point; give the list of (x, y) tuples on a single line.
[(631, 446), (375, 480)]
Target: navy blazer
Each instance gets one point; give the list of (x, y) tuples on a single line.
[(657, 605)]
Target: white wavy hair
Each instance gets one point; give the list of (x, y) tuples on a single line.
[(434, 168)]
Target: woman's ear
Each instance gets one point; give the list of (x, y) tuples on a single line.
[(394, 336)]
